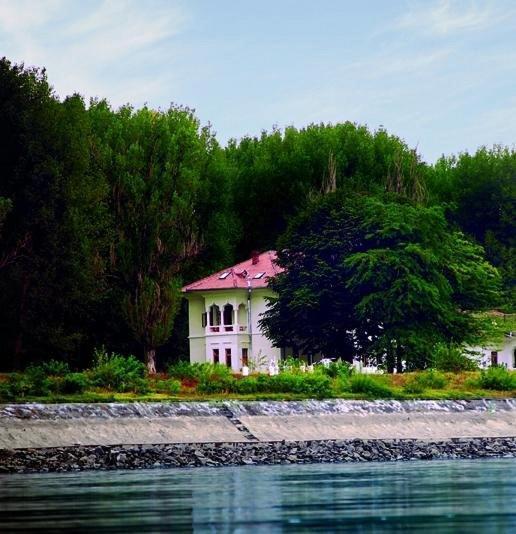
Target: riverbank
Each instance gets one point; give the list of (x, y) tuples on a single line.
[(82, 458), (55, 437)]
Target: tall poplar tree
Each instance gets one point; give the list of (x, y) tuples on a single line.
[(157, 164)]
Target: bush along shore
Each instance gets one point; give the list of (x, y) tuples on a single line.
[(114, 377), (80, 458)]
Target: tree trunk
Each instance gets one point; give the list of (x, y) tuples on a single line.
[(18, 344), (150, 360)]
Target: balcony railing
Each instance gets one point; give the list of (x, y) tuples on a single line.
[(226, 328)]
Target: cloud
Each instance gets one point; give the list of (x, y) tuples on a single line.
[(446, 17), (99, 48)]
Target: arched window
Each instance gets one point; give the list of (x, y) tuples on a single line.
[(214, 315), (227, 316)]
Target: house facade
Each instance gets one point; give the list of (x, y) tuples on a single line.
[(224, 310), (503, 353)]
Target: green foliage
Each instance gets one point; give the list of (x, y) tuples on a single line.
[(369, 385), (70, 383), (18, 386), (105, 213), (384, 278), (184, 370), (497, 377), (480, 193), (53, 231), (170, 386), (246, 385), (160, 166), (274, 176), (55, 368), (414, 387), (313, 384), (215, 378), (216, 384), (198, 371), (429, 379), (37, 377), (118, 373), (338, 369), (291, 364), (451, 358)]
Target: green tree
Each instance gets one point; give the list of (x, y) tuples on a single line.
[(479, 191), (160, 166), (52, 230), (275, 176), (378, 278)]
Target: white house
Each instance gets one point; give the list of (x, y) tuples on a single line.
[(503, 353), (223, 313)]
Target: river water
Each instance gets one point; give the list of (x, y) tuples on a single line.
[(440, 496)]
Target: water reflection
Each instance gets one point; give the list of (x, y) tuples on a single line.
[(451, 496)]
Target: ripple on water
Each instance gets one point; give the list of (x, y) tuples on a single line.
[(447, 496)]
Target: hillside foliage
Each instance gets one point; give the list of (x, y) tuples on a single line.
[(105, 213)]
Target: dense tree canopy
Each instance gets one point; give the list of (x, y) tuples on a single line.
[(479, 191), (104, 214), (377, 277), (276, 175), (158, 166)]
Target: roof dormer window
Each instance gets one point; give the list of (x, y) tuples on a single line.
[(224, 275)]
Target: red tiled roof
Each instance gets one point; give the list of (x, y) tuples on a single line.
[(239, 274)]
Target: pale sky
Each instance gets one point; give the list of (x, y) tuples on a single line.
[(440, 74)]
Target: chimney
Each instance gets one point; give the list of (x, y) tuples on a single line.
[(255, 257)]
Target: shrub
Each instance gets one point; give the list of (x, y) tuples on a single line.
[(431, 379), (70, 383), (5, 392), (216, 384), (37, 379), (264, 383), (170, 386), (20, 385), (317, 385), (285, 382), (55, 368), (498, 378), (119, 373), (290, 365), (17, 386), (413, 386), (215, 371), (314, 385), (185, 370), (338, 369), (361, 383), (451, 358), (198, 371), (246, 385)]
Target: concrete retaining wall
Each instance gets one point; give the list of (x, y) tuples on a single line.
[(38, 437), (55, 425)]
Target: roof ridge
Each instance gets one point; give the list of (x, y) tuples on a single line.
[(268, 253)]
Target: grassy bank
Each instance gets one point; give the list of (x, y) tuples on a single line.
[(115, 378)]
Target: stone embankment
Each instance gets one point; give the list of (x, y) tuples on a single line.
[(37, 437), (81, 458)]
